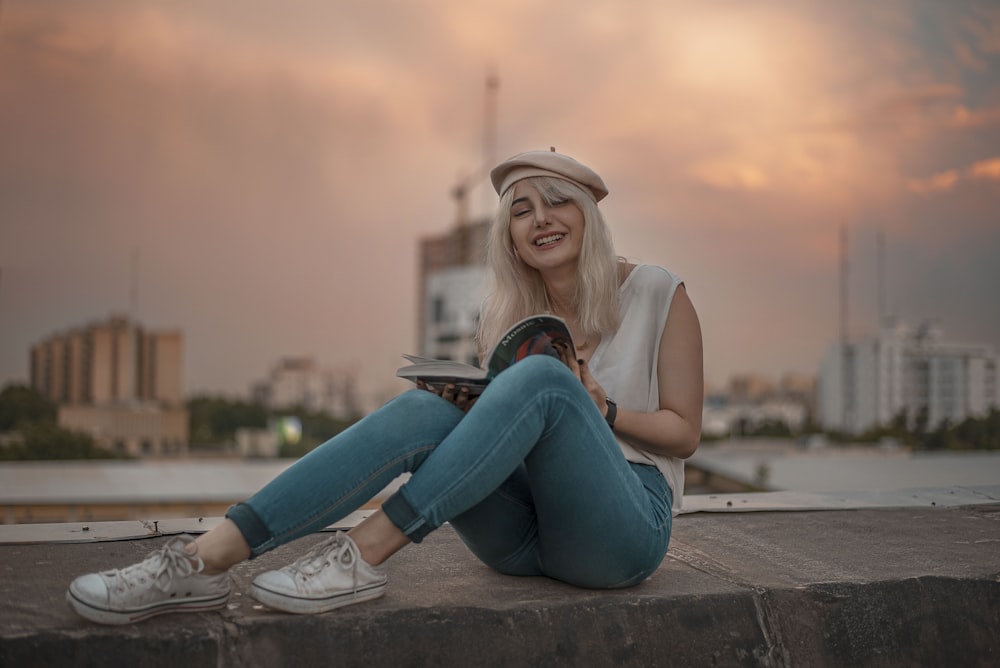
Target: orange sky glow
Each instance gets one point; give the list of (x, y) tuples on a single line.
[(272, 167)]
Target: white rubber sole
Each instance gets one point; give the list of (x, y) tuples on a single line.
[(118, 617), (310, 606)]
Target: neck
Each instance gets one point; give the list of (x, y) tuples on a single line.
[(561, 289), (561, 292)]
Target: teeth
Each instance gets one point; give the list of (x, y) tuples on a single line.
[(549, 239)]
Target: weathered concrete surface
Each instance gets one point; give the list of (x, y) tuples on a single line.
[(888, 587)]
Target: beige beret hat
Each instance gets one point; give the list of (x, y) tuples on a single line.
[(547, 163)]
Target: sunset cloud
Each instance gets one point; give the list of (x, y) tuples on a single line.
[(983, 170), (276, 167)]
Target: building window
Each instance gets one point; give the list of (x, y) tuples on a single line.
[(438, 309)]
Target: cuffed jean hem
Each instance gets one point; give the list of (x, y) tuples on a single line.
[(401, 513), (254, 531)]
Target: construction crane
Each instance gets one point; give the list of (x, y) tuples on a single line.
[(460, 192)]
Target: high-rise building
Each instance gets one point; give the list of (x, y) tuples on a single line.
[(452, 272), (908, 371), (117, 382)]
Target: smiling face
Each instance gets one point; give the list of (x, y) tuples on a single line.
[(546, 230)]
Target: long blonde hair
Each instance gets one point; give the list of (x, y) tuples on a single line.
[(517, 291)]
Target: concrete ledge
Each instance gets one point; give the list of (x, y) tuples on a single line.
[(884, 587)]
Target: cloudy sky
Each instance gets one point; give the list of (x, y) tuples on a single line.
[(269, 167)]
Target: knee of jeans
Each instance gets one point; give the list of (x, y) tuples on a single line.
[(414, 397), (536, 371)]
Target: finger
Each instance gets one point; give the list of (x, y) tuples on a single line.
[(567, 358), (593, 387)]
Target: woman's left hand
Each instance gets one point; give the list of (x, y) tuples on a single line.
[(458, 395), (582, 371)]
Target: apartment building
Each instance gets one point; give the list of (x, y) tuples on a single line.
[(908, 370), (119, 383), (298, 382), (450, 284)]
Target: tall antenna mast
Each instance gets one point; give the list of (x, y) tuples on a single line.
[(133, 293), (460, 192), (880, 260), (846, 353), (490, 132), (490, 119), (843, 285)]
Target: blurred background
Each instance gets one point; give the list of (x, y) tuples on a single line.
[(256, 207)]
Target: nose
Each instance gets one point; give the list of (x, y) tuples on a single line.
[(541, 215)]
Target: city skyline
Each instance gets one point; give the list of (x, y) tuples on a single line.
[(256, 176)]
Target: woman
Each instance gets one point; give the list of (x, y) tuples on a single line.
[(569, 469)]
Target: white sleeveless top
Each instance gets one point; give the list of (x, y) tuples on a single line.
[(625, 362)]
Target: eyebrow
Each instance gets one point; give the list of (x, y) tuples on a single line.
[(519, 200)]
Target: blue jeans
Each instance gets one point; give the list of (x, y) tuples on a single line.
[(531, 478)]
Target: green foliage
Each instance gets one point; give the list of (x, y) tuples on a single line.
[(215, 420), (43, 440), (896, 430), (974, 433), (979, 434), (317, 428), (20, 404), (969, 434), (35, 435), (770, 429)]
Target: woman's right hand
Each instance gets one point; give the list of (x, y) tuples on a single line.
[(457, 395), (581, 370)]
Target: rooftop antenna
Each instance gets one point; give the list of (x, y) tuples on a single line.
[(133, 296), (883, 313), (846, 354), (490, 128)]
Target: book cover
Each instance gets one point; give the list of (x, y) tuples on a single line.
[(535, 335)]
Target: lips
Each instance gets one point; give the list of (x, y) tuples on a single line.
[(547, 239)]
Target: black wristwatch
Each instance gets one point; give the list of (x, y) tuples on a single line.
[(612, 411)]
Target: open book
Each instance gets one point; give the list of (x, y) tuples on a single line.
[(535, 335)]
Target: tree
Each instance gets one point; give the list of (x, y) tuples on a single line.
[(22, 404), (43, 440), (216, 419)]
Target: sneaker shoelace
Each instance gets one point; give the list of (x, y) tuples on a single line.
[(338, 551), (161, 567)]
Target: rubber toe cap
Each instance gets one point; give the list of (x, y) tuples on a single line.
[(275, 581), (90, 587)]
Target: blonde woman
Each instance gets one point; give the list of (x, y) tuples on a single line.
[(569, 468)]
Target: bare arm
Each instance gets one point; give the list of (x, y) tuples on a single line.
[(675, 429)]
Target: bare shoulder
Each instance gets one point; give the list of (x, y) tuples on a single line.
[(624, 270)]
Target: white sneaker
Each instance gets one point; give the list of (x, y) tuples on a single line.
[(168, 580), (331, 575)]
